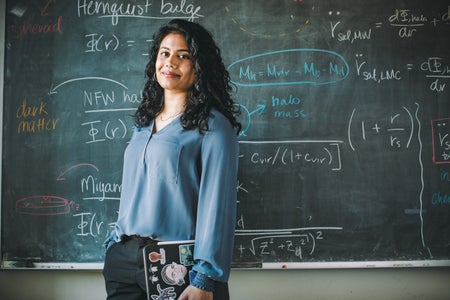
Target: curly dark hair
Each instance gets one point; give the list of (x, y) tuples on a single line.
[(211, 88)]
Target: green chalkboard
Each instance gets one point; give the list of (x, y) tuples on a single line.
[(345, 148)]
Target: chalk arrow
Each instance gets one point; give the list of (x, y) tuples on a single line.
[(260, 109), (53, 89), (62, 174)]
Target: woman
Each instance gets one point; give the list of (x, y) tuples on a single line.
[(180, 167)]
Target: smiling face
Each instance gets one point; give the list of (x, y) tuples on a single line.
[(174, 68)]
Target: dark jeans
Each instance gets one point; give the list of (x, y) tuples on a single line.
[(125, 276)]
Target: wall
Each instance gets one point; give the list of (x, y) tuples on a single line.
[(386, 284), (424, 283)]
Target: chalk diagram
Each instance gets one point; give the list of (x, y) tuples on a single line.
[(44, 205), (295, 18), (246, 116), (50, 205)]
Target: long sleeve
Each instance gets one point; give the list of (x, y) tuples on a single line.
[(216, 212)]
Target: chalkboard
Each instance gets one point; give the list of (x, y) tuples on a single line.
[(345, 148)]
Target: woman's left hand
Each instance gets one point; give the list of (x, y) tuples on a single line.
[(193, 293)]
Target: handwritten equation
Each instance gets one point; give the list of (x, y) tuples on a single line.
[(295, 243), (290, 66), (441, 141), (273, 154), (398, 129), (405, 22), (435, 68)]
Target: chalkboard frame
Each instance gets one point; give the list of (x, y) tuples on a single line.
[(270, 265)]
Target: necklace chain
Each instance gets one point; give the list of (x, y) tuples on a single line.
[(171, 116)]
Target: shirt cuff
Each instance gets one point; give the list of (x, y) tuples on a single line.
[(203, 282)]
